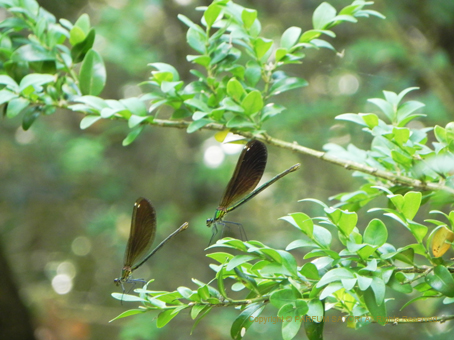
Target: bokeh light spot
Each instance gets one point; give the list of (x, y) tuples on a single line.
[(62, 284), (81, 246), (213, 156)]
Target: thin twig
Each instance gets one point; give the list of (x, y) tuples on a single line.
[(349, 165)]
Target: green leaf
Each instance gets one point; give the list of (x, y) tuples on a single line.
[(302, 222), (204, 292), (204, 313), (412, 202), (30, 115), (230, 105), (252, 75), (261, 47), (211, 14), (289, 262), (248, 16), (271, 110), (286, 84), (292, 314), (290, 37), (129, 313), (165, 316), (322, 44), (282, 297), (15, 106), (309, 270), (88, 121), (245, 320), (135, 105), (92, 74), (441, 280), (221, 257), (280, 53), (127, 297), (370, 119), (335, 274), (196, 40), (235, 89), (239, 121), (401, 135), (83, 22), (95, 102), (331, 289), (419, 231), (190, 24), (440, 134), (252, 103), (6, 96), (9, 82), (379, 288), (35, 79), (76, 35), (323, 16), (301, 244), (378, 311), (344, 220), (185, 292), (220, 280), (322, 236), (198, 124), (383, 105), (32, 53), (352, 117), (406, 109), (401, 158), (203, 60), (79, 50), (364, 282), (198, 104), (313, 329), (240, 259), (134, 120), (162, 67), (398, 286), (131, 137), (376, 233), (196, 309)]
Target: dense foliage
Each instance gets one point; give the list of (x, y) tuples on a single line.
[(349, 266)]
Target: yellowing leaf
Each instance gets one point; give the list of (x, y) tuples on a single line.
[(440, 241), (220, 136)]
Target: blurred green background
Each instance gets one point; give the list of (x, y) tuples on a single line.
[(66, 195)]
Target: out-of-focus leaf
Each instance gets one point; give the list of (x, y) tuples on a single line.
[(79, 50), (35, 79), (323, 15), (30, 115), (92, 74), (165, 316), (88, 121), (31, 53), (131, 137)]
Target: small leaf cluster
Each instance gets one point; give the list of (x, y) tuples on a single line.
[(238, 71), (396, 147), (38, 59), (241, 70), (354, 280)]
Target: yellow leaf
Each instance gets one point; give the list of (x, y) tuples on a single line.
[(441, 241), (220, 136)]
